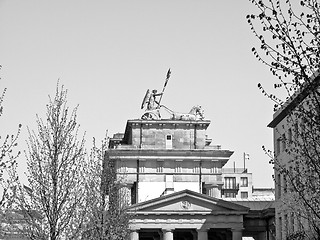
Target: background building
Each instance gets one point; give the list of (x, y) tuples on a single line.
[(287, 130), (237, 183)]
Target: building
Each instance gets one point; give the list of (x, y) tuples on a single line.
[(287, 129), (12, 223), (237, 183), (174, 180), (163, 156), (263, 193)]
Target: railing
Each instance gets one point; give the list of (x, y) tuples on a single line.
[(232, 187), (234, 170), (214, 147)]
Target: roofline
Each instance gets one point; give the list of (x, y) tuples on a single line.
[(136, 207), (131, 122), (295, 99), (262, 188), (173, 121)]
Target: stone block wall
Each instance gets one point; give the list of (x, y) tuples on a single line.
[(152, 134)]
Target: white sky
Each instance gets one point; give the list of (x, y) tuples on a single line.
[(108, 53)]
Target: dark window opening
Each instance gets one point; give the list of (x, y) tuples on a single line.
[(134, 193)]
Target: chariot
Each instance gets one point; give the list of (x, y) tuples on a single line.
[(152, 107)]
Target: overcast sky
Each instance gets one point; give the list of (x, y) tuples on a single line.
[(108, 53)]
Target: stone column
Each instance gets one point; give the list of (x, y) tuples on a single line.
[(134, 235), (167, 234), (237, 234), (202, 234)]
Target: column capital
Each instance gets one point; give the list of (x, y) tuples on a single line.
[(133, 229), (202, 229), (134, 235)]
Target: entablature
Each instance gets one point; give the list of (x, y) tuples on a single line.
[(169, 153)]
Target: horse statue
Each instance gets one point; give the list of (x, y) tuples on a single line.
[(196, 113)]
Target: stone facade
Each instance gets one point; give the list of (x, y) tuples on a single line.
[(161, 156), (188, 215), (173, 179)]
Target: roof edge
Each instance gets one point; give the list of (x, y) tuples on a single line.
[(295, 99)]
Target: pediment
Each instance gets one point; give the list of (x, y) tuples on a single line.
[(187, 201)]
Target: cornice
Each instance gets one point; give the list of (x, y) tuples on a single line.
[(170, 153)]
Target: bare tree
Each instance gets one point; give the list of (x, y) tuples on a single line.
[(288, 32), (53, 203), (7, 162), (107, 218), (289, 35)]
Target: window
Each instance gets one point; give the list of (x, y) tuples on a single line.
[(290, 135), (244, 194), (280, 227), (291, 173), (296, 130), (178, 167), (284, 144), (298, 222), (230, 195), (278, 185), (159, 166), (291, 223), (196, 168), (122, 167), (230, 182), (278, 146), (134, 193), (204, 189), (244, 181), (284, 184), (169, 141), (285, 225), (214, 167), (303, 126), (142, 164)]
